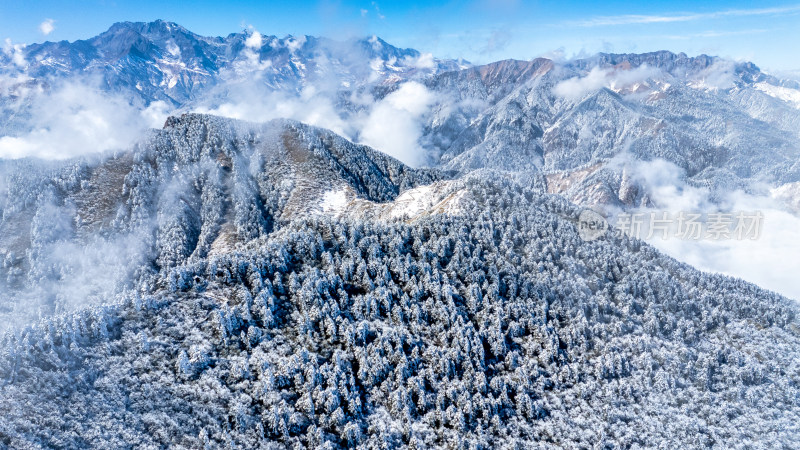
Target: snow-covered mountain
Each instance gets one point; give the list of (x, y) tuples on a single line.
[(227, 283), (164, 61), (726, 125), (276, 285), (165, 64), (87, 229)]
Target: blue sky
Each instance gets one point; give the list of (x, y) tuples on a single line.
[(767, 33)]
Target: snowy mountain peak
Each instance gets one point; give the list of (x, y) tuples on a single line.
[(160, 60), (223, 283)]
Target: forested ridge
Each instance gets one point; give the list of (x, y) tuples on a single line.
[(493, 327)]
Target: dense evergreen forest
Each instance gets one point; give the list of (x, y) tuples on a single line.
[(494, 325)]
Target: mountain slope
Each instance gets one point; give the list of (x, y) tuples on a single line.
[(720, 122), (727, 125), (85, 229), (495, 327), (225, 283)]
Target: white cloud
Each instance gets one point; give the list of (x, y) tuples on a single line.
[(597, 78), (295, 43), (629, 19), (769, 261), (156, 114), (75, 118), (254, 41), (17, 86), (393, 126), (15, 52), (423, 61), (577, 87), (719, 75), (47, 26), (255, 102), (251, 56)]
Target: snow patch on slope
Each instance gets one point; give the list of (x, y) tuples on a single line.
[(415, 202), (334, 201), (437, 198)]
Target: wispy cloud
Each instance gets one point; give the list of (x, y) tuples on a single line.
[(760, 261), (631, 19), (498, 40), (378, 10), (74, 117), (576, 88), (712, 34)]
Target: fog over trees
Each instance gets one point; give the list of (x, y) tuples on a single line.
[(235, 313)]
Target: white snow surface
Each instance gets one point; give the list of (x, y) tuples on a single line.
[(435, 198)]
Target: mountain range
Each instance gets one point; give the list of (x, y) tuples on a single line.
[(583, 120), (164, 61), (231, 283)]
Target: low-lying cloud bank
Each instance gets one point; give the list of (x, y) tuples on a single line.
[(76, 118), (578, 87), (768, 261), (392, 124)]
